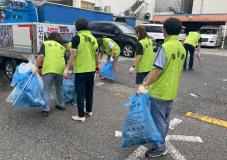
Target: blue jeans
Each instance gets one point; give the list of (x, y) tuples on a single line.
[(160, 111), (49, 80)]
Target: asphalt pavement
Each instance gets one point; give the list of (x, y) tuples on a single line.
[(25, 135)]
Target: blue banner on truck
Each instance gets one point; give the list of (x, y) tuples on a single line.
[(59, 14)]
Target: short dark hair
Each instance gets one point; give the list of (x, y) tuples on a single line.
[(55, 37), (172, 26), (81, 24)]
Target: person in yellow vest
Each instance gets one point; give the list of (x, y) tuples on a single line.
[(163, 82), (52, 58), (192, 39), (111, 49), (144, 57), (84, 60)]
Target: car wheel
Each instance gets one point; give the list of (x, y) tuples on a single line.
[(128, 50), (10, 67)]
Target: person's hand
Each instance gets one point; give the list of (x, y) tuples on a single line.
[(111, 59), (131, 70), (66, 73), (142, 89), (34, 69)]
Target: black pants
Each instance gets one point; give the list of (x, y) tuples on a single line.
[(84, 83), (189, 48)]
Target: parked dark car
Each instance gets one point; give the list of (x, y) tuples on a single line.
[(121, 33)]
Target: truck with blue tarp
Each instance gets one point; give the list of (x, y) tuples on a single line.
[(24, 25)]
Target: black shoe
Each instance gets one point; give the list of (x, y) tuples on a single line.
[(45, 113), (151, 153), (191, 69), (60, 108), (185, 69)]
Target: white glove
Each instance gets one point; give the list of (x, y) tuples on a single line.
[(142, 89), (111, 59), (34, 69), (66, 73), (131, 70)]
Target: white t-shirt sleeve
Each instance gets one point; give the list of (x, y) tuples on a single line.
[(111, 45), (160, 59)]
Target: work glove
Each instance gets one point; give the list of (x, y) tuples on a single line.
[(34, 69), (111, 59), (131, 70), (142, 89)]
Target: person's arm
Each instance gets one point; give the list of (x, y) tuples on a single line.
[(159, 64), (137, 59), (71, 58), (112, 52), (73, 53), (97, 57), (153, 77), (111, 46), (39, 61), (199, 48), (40, 58)]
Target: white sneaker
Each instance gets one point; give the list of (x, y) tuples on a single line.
[(77, 118), (88, 113)]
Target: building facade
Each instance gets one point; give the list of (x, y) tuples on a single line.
[(209, 7)]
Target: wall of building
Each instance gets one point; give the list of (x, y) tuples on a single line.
[(87, 5), (166, 5), (209, 7)]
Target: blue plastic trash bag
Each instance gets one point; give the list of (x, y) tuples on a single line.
[(139, 126), (28, 90), (69, 89), (107, 72)]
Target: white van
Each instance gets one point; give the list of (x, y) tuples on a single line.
[(155, 31), (211, 36)]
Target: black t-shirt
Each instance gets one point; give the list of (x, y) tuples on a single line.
[(42, 50), (139, 49), (75, 42)]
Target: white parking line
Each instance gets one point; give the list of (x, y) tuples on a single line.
[(174, 152), (183, 138), (138, 153)]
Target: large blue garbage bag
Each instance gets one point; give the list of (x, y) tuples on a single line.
[(32, 95), (19, 78), (139, 126), (107, 72), (69, 89)]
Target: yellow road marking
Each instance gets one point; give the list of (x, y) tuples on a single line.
[(207, 119)]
